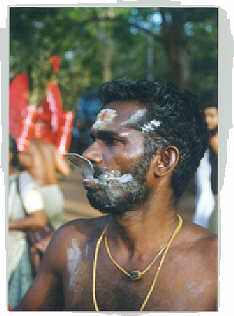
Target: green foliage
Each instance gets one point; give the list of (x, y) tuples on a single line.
[(81, 37)]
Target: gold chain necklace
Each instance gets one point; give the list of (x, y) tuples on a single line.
[(177, 229), (134, 275)]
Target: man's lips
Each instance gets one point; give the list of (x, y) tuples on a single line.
[(108, 179)]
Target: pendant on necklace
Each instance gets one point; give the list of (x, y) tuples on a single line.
[(135, 275)]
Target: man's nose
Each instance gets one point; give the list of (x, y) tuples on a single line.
[(93, 153)]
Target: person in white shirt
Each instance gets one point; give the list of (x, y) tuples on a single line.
[(29, 200), (206, 214)]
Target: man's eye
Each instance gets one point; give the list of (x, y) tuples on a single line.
[(111, 141)]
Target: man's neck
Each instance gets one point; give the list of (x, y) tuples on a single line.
[(147, 228)]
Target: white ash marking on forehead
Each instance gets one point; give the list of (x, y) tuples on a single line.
[(152, 125), (104, 117), (135, 117), (124, 134)]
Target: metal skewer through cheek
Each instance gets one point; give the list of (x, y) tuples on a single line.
[(85, 165)]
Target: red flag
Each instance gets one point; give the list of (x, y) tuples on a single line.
[(43, 128), (50, 114), (55, 60), (53, 97), (10, 308), (48, 122), (65, 132), (19, 91), (26, 127)]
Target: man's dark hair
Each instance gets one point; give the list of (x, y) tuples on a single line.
[(181, 120), (209, 99)]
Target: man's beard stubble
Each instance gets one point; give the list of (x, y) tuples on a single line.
[(118, 197)]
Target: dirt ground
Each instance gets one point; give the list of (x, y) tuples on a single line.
[(76, 204)]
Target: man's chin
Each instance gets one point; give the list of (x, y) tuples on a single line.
[(104, 207), (117, 200)]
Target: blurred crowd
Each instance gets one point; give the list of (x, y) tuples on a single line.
[(34, 200)]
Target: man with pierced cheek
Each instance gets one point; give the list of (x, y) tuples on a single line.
[(148, 141), (116, 191)]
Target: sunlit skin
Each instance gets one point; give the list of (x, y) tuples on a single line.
[(211, 117), (42, 160), (188, 278)]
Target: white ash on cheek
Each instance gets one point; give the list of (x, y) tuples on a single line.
[(116, 184), (114, 178), (116, 190)]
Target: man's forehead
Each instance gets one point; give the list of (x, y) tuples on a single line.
[(125, 108), (120, 114)]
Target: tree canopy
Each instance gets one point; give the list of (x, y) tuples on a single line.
[(97, 44)]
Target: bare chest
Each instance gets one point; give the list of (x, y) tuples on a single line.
[(174, 289)]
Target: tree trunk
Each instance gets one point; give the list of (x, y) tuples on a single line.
[(150, 57), (108, 52), (175, 46), (106, 46)]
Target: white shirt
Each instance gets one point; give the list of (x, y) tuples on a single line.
[(30, 201)]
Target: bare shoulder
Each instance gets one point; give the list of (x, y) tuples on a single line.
[(78, 231), (191, 267), (201, 241), (200, 245), (84, 228), (197, 255), (59, 265)]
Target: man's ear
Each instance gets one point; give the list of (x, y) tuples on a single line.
[(165, 160)]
